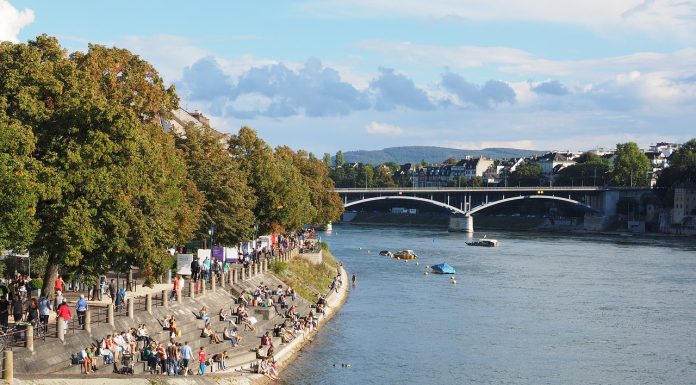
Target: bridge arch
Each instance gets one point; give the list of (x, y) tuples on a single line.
[(401, 197), (521, 197)]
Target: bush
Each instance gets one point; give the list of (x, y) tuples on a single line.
[(36, 283), (279, 268), (324, 246)]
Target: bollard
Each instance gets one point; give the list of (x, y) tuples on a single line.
[(192, 289), (203, 283), (233, 272), (165, 299), (148, 303), (130, 308), (169, 277), (8, 367), (225, 275), (60, 325), (29, 337), (88, 322), (242, 271), (110, 314), (213, 282)]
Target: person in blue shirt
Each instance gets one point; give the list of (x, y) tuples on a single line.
[(81, 308)]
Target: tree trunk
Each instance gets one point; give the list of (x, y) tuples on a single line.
[(50, 275)]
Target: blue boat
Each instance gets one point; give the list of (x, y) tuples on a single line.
[(443, 268)]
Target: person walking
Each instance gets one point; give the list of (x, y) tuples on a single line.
[(172, 358), (202, 357), (81, 309), (112, 291), (44, 311), (4, 313), (64, 312), (186, 356)]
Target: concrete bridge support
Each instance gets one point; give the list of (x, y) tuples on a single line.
[(461, 224)]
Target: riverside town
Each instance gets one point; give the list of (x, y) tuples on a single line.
[(320, 192)]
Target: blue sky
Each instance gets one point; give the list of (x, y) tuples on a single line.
[(368, 74)]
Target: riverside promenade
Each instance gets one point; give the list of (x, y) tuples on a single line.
[(238, 370)]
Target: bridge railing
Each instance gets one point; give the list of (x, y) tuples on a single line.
[(476, 189)]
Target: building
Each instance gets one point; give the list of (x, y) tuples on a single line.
[(684, 211), (553, 162), (471, 167)]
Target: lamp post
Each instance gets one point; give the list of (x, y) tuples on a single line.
[(211, 232)]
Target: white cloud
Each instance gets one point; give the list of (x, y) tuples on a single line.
[(669, 18), (168, 53), (376, 128), (12, 20)]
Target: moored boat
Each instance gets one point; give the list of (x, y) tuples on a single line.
[(405, 254), (443, 268), (484, 242)]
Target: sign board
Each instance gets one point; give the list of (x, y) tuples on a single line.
[(203, 254), (231, 254), (183, 264), (218, 253)]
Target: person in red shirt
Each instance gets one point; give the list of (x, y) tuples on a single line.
[(59, 283), (64, 312), (201, 360)]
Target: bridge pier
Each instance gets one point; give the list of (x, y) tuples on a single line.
[(461, 224)]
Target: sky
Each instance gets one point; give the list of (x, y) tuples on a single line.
[(368, 74)]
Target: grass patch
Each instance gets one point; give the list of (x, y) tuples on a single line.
[(309, 279)]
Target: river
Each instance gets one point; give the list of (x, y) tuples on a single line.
[(539, 309)]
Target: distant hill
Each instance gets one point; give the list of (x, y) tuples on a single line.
[(430, 154)]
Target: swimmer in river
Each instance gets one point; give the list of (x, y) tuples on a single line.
[(353, 279)]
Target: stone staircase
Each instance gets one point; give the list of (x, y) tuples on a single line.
[(52, 356)]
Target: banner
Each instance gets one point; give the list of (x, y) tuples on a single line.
[(218, 253), (183, 264)]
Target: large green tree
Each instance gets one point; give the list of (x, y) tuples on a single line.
[(229, 201), (19, 185), (270, 180), (631, 166), (326, 205), (527, 174), (590, 170), (116, 191)]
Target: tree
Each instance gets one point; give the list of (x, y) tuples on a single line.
[(339, 159), (589, 173), (115, 191), (19, 184), (327, 159), (631, 166), (527, 174), (229, 201), (326, 205), (475, 181), (681, 170)]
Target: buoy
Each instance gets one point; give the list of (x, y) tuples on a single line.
[(454, 281), (427, 266), (425, 273), (416, 263)]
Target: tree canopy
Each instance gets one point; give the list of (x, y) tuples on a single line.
[(631, 166)]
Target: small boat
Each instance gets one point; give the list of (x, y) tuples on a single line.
[(484, 242), (405, 254), (443, 268), (386, 253)]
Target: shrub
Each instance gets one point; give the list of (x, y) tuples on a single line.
[(279, 268), (37, 283)]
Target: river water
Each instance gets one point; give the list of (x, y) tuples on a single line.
[(539, 309)]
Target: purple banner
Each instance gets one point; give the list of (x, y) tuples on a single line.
[(218, 253)]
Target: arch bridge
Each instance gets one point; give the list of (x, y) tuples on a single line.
[(464, 202)]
